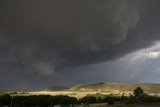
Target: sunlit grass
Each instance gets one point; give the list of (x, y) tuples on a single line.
[(68, 93)]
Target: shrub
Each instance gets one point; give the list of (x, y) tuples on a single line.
[(5, 100), (88, 100)]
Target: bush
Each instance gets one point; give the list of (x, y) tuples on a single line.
[(5, 100), (109, 100), (138, 92), (64, 100), (88, 100)]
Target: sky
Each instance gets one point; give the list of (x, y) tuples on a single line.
[(69, 42)]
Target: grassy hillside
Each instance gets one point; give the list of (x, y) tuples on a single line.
[(117, 88)]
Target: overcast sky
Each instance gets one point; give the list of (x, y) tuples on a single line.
[(66, 42)]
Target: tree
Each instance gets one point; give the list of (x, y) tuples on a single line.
[(138, 92), (88, 100)]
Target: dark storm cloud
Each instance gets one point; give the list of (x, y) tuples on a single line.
[(40, 36), (65, 32)]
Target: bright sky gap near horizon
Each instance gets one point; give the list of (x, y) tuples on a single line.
[(67, 42)]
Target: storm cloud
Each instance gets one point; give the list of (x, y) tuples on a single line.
[(46, 37)]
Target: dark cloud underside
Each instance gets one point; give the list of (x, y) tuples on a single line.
[(38, 36)]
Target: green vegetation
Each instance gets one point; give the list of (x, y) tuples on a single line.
[(138, 92), (88, 100), (2, 93), (36, 100), (15, 100)]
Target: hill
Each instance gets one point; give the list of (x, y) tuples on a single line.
[(117, 88), (58, 88)]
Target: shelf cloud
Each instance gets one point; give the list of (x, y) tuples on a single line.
[(46, 37)]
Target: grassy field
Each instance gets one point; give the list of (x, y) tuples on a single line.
[(68, 93), (117, 89), (94, 95)]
